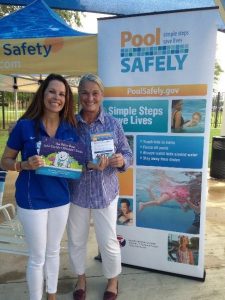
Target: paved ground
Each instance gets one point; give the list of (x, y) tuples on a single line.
[(135, 284)]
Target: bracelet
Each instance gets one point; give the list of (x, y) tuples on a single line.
[(17, 166)]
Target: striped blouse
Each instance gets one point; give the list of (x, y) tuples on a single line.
[(96, 189)]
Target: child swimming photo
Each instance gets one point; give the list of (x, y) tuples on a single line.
[(168, 200), (188, 115)]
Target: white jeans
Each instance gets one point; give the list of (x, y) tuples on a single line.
[(105, 229), (43, 229)]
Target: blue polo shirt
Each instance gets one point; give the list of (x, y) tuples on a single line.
[(35, 191)]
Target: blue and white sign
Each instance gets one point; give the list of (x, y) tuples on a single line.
[(158, 76)]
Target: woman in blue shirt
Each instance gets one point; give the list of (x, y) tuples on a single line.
[(97, 190), (42, 201)]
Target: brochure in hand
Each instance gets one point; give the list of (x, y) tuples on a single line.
[(101, 144), (62, 158)]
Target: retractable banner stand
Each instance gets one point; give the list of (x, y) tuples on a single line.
[(158, 73)]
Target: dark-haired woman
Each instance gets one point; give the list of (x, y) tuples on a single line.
[(177, 120), (42, 201)]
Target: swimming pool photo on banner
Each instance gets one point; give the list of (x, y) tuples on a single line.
[(188, 116), (168, 200)]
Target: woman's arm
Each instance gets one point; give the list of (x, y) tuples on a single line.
[(187, 123), (177, 120), (8, 161)]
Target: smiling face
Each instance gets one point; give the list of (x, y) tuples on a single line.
[(196, 118), (184, 241), (54, 97), (124, 208), (90, 96)]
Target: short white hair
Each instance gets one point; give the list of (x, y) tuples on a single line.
[(91, 77)]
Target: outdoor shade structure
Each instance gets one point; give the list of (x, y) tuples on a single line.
[(29, 83), (35, 40), (221, 5), (129, 7)]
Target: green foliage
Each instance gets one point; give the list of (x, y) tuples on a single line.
[(217, 71), (75, 165), (3, 139), (50, 158), (7, 9), (71, 17)]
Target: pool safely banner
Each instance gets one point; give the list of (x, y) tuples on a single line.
[(158, 75)]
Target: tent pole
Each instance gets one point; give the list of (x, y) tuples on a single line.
[(15, 87), (16, 104)]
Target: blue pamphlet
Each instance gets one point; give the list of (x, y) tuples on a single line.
[(102, 144)]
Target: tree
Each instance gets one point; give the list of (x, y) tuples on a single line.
[(7, 9), (217, 71), (71, 17)]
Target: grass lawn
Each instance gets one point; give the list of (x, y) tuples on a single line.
[(214, 132), (3, 138)]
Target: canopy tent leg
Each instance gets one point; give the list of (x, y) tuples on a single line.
[(15, 87)]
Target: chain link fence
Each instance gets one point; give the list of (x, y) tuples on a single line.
[(8, 110)]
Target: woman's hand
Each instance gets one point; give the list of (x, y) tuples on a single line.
[(33, 163), (103, 163), (116, 161)]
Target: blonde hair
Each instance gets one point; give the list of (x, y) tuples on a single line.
[(91, 77), (197, 114), (183, 238)]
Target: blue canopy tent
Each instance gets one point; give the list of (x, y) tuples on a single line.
[(35, 20), (35, 40)]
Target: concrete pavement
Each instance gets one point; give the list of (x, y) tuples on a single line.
[(135, 284)]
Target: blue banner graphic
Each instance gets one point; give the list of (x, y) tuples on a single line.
[(170, 151), (140, 115)]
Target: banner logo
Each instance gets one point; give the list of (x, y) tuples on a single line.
[(146, 53), (26, 49)]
